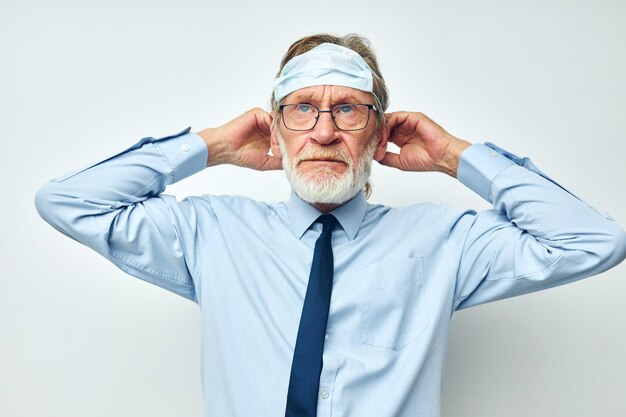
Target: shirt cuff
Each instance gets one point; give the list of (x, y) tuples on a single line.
[(479, 165), (186, 152)]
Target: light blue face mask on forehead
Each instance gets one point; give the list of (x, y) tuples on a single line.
[(326, 64)]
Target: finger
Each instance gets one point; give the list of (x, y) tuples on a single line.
[(392, 119), (398, 138), (399, 135), (272, 163), (398, 117), (391, 160), (402, 124), (428, 127), (263, 121)]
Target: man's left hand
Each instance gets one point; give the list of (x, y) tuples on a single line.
[(424, 145)]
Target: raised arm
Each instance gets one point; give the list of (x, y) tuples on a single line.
[(538, 235), (116, 205)]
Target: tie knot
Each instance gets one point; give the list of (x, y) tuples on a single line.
[(329, 222)]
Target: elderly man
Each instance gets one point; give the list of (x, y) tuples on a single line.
[(327, 305)]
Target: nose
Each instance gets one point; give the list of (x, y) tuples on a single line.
[(325, 131)]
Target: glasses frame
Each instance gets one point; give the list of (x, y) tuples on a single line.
[(332, 116)]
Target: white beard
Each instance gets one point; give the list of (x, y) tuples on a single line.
[(324, 185)]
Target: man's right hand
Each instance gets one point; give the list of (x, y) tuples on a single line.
[(244, 141)]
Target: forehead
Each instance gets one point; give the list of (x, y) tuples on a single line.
[(329, 94)]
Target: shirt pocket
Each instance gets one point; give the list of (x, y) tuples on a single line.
[(391, 302)]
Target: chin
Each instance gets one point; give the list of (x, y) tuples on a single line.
[(326, 187), (323, 185)]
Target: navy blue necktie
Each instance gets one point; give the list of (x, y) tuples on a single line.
[(307, 358)]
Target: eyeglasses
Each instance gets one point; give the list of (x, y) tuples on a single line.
[(304, 116)]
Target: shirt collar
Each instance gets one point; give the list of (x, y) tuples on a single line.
[(350, 214)]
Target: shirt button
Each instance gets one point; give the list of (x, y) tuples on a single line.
[(185, 148), (324, 393), (494, 154), (326, 338)]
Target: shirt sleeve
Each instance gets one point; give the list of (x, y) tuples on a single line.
[(537, 236), (116, 207)]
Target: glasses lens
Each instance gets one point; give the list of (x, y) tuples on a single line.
[(351, 116), (346, 116), (299, 116)]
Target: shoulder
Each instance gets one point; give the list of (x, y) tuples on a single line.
[(425, 211), (430, 216), (225, 207)]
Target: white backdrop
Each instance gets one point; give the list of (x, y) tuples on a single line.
[(81, 80)]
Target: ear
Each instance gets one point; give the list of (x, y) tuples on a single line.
[(273, 139), (381, 148)]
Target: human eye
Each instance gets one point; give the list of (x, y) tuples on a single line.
[(345, 108), (304, 108)]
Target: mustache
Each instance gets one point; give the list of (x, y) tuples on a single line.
[(334, 154)]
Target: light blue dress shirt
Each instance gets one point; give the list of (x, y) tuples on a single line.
[(399, 275)]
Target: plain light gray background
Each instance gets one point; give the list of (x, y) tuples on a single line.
[(81, 80)]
